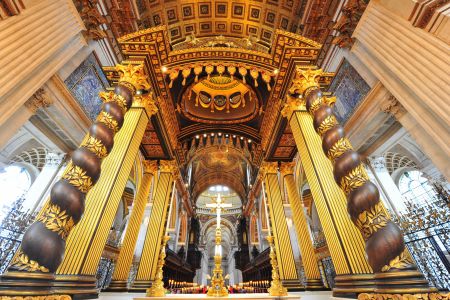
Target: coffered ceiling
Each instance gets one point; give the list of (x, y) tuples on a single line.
[(258, 19)]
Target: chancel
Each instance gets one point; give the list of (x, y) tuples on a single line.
[(256, 149)]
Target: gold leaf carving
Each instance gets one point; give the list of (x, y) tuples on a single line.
[(399, 262), (78, 178), (327, 124), (57, 221), (370, 221), (95, 146), (315, 105), (108, 120), (339, 148), (24, 263), (356, 178)]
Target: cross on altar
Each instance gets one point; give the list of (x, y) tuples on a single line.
[(217, 207)]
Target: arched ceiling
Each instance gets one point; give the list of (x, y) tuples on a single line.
[(258, 19)]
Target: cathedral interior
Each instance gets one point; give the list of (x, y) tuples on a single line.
[(220, 148)]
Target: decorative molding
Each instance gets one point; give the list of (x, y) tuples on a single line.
[(40, 99), (346, 24), (393, 107)]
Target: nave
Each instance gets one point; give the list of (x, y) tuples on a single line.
[(177, 148)]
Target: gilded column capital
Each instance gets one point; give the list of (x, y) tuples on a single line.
[(268, 168), (147, 102), (133, 75), (293, 104), (39, 100), (150, 166), (304, 80), (168, 166), (393, 107), (287, 168)]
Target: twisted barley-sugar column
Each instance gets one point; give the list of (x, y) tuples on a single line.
[(313, 278), (168, 171), (280, 231), (385, 248), (122, 268), (76, 274), (43, 245)]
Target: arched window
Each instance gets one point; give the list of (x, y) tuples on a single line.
[(416, 188), (15, 180)]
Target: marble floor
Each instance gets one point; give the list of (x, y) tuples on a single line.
[(129, 296)]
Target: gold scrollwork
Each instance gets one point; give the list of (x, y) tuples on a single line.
[(95, 146), (78, 178), (370, 221), (339, 148), (108, 120), (23, 263), (356, 178), (327, 124), (399, 262), (57, 220)]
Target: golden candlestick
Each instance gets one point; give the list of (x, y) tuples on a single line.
[(157, 289), (276, 287), (217, 288)]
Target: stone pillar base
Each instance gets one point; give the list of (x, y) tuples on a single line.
[(293, 285), (14, 283), (402, 282), (140, 286), (314, 285), (353, 284), (79, 287), (117, 286)]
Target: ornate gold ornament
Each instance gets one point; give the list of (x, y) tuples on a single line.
[(112, 97), (330, 101), (217, 288), (316, 104), (157, 289), (147, 102), (150, 166), (399, 262), (134, 75), (287, 168), (305, 79), (95, 146), (276, 286), (370, 221), (57, 220), (293, 104), (108, 120), (356, 178), (22, 262), (327, 124), (268, 168), (78, 178), (168, 166), (427, 296), (339, 148)]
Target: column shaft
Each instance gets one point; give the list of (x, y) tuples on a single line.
[(344, 240), (125, 259), (87, 241), (285, 256), (313, 278), (156, 227)]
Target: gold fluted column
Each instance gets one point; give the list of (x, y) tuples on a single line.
[(313, 278), (278, 224), (76, 274), (156, 227), (345, 243), (123, 264)]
